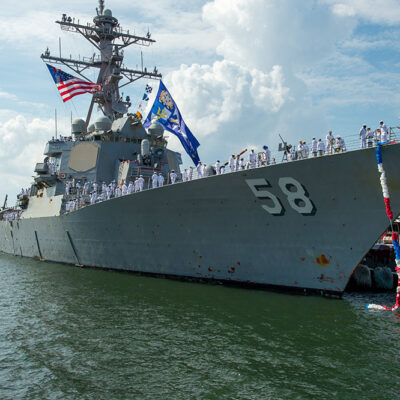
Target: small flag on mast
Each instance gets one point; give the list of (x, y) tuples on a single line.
[(70, 86)]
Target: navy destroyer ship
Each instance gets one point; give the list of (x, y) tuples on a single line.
[(302, 225)]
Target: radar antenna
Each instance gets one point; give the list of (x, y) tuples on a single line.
[(101, 6), (107, 36)]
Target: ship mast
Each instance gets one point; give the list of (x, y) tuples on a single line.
[(107, 36)]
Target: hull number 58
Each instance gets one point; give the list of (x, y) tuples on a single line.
[(295, 193)]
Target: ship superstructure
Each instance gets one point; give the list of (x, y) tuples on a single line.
[(116, 146), (293, 225)]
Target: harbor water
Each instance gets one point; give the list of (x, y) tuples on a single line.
[(74, 333)]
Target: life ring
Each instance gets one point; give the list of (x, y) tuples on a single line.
[(62, 175)]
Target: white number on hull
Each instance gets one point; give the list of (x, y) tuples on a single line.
[(297, 199), (257, 187), (296, 194)]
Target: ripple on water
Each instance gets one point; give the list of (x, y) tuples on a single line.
[(74, 333)]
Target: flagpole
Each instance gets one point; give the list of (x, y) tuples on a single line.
[(89, 112)]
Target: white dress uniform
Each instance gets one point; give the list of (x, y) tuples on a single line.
[(232, 163), (306, 150), (217, 168), (137, 185), (130, 187), (320, 148), (124, 190), (173, 177), (185, 175), (108, 193), (67, 188), (199, 170), (363, 141), (241, 164), (314, 148), (300, 150), (370, 137), (252, 159), (190, 176), (160, 180), (384, 133), (95, 187), (329, 143), (141, 183), (267, 156), (154, 179)]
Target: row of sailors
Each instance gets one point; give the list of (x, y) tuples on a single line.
[(235, 163), (62, 139), (367, 137), (11, 215), (96, 193), (51, 167), (110, 190)]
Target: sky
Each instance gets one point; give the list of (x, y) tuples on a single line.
[(241, 71)]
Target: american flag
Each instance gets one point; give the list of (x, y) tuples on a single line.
[(70, 86)]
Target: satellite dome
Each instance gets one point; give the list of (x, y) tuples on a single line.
[(107, 13), (156, 130), (78, 126), (102, 124), (90, 128)]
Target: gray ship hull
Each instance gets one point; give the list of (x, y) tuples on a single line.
[(255, 226)]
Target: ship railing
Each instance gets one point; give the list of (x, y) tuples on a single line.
[(352, 143)]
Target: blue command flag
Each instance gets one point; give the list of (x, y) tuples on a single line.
[(166, 113)]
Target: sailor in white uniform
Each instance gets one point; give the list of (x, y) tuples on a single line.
[(130, 187), (67, 188), (185, 175), (232, 163), (203, 171), (300, 150), (141, 183), (190, 176), (329, 142), (363, 137), (108, 193), (154, 179), (252, 159), (370, 137), (160, 180), (86, 188), (136, 184), (314, 147), (384, 132), (241, 164), (218, 167), (267, 155), (199, 170), (320, 147), (95, 187), (173, 176), (124, 189)]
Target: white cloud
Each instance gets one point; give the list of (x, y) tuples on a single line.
[(211, 95), (376, 11), (22, 143)]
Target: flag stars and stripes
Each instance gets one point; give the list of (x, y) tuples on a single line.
[(70, 86)]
